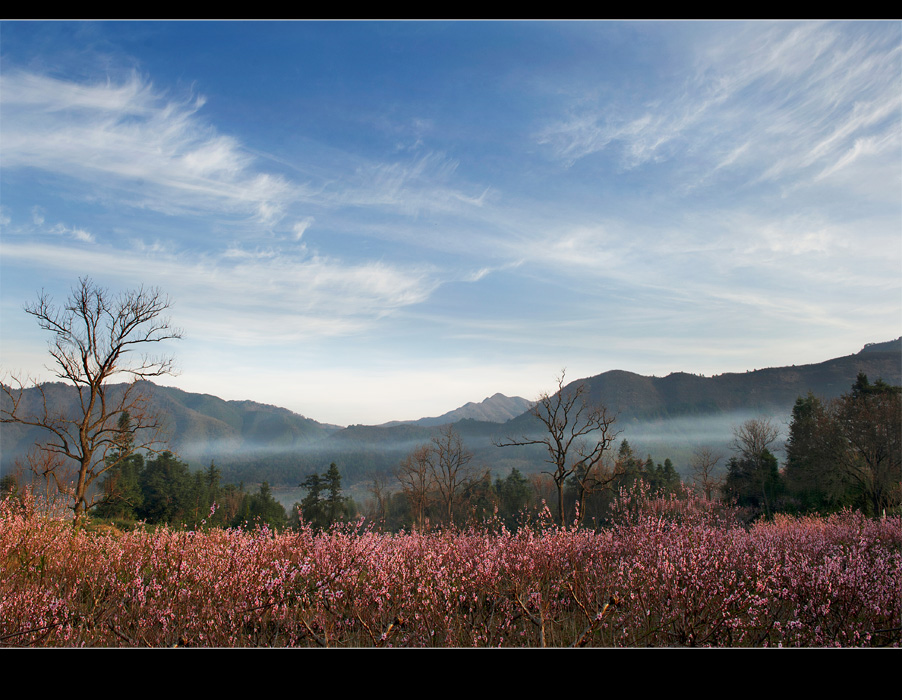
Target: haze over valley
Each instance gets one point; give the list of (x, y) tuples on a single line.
[(665, 417)]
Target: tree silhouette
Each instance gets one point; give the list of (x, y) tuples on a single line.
[(578, 434), (94, 336)]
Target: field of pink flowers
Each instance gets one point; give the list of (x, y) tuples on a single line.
[(671, 574)]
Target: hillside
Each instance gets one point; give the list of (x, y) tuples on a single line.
[(635, 397), (256, 441), (201, 427), (493, 409)]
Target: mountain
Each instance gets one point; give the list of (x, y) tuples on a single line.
[(664, 415), (667, 416), (634, 397), (889, 346), (200, 427), (493, 409)]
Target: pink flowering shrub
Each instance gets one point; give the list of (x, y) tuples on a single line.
[(672, 573)]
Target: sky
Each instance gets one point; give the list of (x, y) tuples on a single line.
[(374, 221)]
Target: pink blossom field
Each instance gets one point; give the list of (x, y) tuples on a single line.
[(672, 573)]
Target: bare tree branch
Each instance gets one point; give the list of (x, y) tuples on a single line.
[(93, 334), (703, 463), (416, 483), (449, 462), (752, 440), (578, 434)]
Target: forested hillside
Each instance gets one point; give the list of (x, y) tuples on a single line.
[(669, 415)]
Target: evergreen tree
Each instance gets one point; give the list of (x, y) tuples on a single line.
[(670, 479), (515, 495), (480, 498), (167, 487), (312, 509), (261, 508), (629, 467), (212, 479), (123, 496), (812, 475), (754, 483), (121, 485), (848, 451), (335, 504)]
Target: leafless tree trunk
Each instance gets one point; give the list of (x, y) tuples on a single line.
[(703, 463), (416, 483), (93, 333), (378, 489), (449, 463), (578, 436), (752, 439)]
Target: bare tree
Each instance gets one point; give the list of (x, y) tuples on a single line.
[(51, 473), (754, 436), (578, 436), (436, 473), (94, 334), (416, 483), (381, 495), (757, 466), (703, 463), (449, 463)]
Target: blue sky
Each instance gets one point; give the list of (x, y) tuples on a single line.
[(367, 221)]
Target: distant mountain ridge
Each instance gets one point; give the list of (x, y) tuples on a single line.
[(889, 346), (637, 397), (202, 427), (497, 408)]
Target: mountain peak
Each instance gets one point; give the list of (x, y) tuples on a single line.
[(888, 346), (497, 408)]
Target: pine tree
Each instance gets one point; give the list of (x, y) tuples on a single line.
[(312, 506), (335, 504)]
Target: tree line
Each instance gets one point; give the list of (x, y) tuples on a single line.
[(841, 453), (844, 453), (162, 489), (438, 485)]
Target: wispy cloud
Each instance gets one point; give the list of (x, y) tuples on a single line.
[(79, 234), (781, 99), (420, 184), (301, 226), (129, 144), (484, 272), (715, 189), (132, 139), (257, 298), (581, 246)]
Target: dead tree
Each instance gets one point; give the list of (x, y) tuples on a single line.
[(756, 471), (578, 433), (94, 336), (704, 463), (416, 483), (449, 463)]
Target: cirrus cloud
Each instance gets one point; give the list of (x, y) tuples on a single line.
[(131, 139)]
